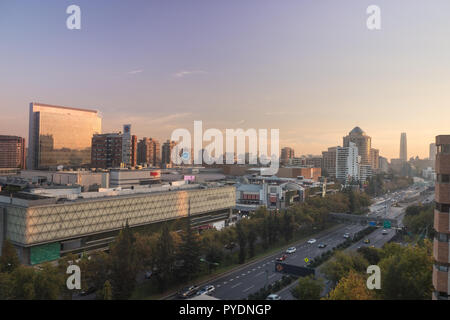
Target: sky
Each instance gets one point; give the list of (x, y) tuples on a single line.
[(310, 68)]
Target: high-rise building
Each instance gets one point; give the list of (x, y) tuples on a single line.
[(375, 159), (329, 161), (403, 147), (433, 152), (112, 150), (106, 150), (166, 153), (347, 164), (60, 136), (134, 142), (149, 152), (441, 243), (12, 152), (362, 141), (383, 164), (286, 154)]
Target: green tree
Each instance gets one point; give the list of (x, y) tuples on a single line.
[(372, 255), (288, 226), (165, 258), (107, 291), (23, 283), (9, 259), (242, 241), (6, 286), (48, 283), (189, 254), (308, 288), (407, 273), (342, 264), (124, 264)]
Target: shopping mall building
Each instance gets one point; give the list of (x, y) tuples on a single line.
[(44, 226)]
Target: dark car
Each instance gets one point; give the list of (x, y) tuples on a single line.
[(188, 292), (282, 258), (87, 292), (322, 245)]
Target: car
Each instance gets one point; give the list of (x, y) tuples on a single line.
[(87, 292), (311, 241), (206, 290), (367, 241), (346, 235), (188, 292), (148, 274), (273, 297), (384, 232), (291, 250), (282, 258), (322, 245)]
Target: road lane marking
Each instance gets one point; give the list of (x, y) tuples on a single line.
[(236, 285), (259, 274), (273, 275), (248, 288)]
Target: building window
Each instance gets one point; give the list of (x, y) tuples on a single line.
[(443, 149), (442, 207), (442, 237), (443, 178), (441, 267)]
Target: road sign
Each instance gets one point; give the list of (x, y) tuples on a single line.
[(372, 223), (386, 224)]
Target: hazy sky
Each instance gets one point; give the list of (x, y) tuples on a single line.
[(309, 68)]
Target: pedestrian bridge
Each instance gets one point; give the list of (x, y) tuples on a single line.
[(363, 219)]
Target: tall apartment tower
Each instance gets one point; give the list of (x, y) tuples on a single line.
[(286, 154), (12, 152), (441, 243), (166, 153), (403, 147), (106, 150), (329, 161), (362, 141), (149, 152), (347, 163)]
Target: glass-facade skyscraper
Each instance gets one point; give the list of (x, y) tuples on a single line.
[(403, 147), (61, 136)]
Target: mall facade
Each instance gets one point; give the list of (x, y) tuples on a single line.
[(44, 228)]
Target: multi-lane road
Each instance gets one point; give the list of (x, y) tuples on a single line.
[(249, 279)]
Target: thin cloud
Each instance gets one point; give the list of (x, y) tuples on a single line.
[(186, 73), (135, 71)]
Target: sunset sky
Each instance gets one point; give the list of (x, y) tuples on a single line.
[(310, 68)]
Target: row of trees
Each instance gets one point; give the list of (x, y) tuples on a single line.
[(406, 273), (382, 183)]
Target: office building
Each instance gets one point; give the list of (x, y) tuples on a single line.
[(12, 152), (441, 243), (347, 163), (286, 154), (149, 152), (383, 164), (403, 147), (61, 136), (362, 141)]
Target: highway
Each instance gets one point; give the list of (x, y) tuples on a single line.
[(249, 279)]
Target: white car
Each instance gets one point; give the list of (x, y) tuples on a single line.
[(311, 241), (291, 250), (346, 235), (384, 232), (273, 297), (206, 290)]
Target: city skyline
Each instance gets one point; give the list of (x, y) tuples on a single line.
[(312, 72)]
